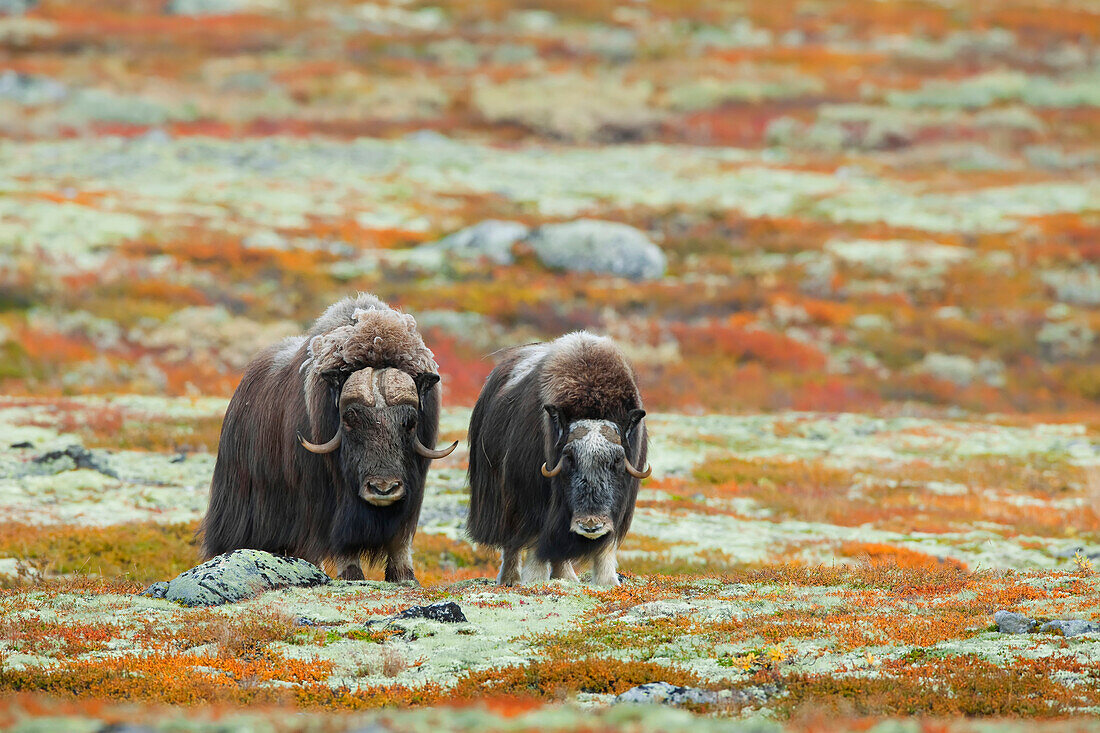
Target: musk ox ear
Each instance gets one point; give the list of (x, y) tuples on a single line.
[(424, 382), (632, 422), (335, 378), (557, 423)]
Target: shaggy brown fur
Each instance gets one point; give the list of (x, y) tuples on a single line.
[(588, 377), (522, 419), (359, 333), (269, 493)]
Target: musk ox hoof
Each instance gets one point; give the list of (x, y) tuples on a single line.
[(352, 572), (238, 576)]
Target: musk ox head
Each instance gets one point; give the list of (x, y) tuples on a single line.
[(376, 439), (593, 469)]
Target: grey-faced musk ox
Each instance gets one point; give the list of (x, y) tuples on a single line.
[(556, 445), (324, 448)]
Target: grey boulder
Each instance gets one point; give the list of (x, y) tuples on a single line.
[(207, 7), (1010, 622), (668, 694), (237, 576), (492, 239), (16, 7), (30, 90), (591, 245), (1072, 627)]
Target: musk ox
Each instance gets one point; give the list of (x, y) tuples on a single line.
[(555, 439), (363, 390)]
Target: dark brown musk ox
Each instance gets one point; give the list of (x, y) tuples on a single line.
[(555, 439), (364, 390)]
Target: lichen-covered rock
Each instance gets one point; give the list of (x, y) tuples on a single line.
[(158, 589), (222, 7), (238, 576), (79, 456), (1072, 627), (103, 105), (492, 239), (665, 693), (1080, 286), (1071, 339), (16, 7), (30, 90), (1010, 622), (590, 245), (447, 612), (962, 370)]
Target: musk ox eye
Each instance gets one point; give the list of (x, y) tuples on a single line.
[(410, 423), (352, 419)]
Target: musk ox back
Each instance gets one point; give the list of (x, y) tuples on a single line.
[(556, 437), (323, 451)]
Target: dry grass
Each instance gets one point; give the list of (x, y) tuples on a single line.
[(135, 552)]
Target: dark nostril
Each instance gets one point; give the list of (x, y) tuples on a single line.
[(383, 487)]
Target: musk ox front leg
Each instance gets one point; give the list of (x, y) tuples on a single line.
[(605, 566), (563, 570), (534, 570), (399, 561), (509, 567)]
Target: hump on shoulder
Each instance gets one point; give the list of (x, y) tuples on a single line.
[(588, 376)]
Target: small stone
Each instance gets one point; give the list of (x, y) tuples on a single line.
[(667, 694), (81, 458), (1072, 627), (1010, 622), (23, 444), (447, 612)]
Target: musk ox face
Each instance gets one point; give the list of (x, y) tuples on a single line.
[(378, 416), (593, 470), (377, 437)]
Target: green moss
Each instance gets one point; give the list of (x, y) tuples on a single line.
[(13, 360)]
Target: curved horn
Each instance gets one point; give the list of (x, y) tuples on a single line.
[(328, 447), (635, 472), (552, 472), (429, 452)]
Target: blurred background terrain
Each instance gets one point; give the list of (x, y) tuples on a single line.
[(858, 206), (853, 249)]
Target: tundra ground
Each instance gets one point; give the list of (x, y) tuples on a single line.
[(802, 562)]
